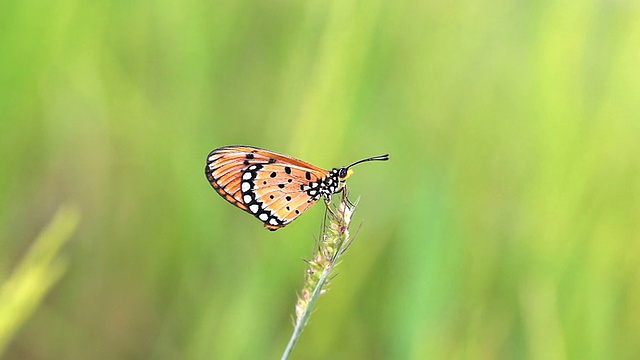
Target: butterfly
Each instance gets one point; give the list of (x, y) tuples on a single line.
[(275, 188)]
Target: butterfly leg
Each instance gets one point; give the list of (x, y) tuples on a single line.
[(327, 203), (345, 196)]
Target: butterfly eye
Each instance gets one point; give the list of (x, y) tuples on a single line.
[(343, 172)]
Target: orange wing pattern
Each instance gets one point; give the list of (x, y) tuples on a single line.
[(273, 187)]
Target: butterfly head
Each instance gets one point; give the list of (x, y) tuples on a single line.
[(340, 176), (343, 173)]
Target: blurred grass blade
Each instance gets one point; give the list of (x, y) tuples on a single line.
[(35, 275)]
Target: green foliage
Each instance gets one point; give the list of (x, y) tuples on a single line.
[(40, 269), (504, 226)]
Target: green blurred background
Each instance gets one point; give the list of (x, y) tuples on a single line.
[(506, 224)]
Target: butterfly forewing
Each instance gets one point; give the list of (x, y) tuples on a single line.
[(269, 185)]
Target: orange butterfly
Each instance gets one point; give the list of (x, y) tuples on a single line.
[(273, 187)]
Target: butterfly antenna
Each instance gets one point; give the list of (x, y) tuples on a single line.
[(383, 157)]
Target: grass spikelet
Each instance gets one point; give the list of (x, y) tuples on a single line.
[(334, 240)]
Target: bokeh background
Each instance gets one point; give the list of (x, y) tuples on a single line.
[(505, 226)]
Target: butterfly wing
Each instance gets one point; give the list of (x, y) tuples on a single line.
[(273, 187)]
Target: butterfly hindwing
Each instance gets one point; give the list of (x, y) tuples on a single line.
[(283, 191)]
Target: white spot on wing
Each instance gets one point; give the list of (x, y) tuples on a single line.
[(273, 221), (313, 185), (246, 186), (263, 217), (247, 198), (254, 208), (247, 176)]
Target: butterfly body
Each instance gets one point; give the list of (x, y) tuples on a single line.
[(273, 187)]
